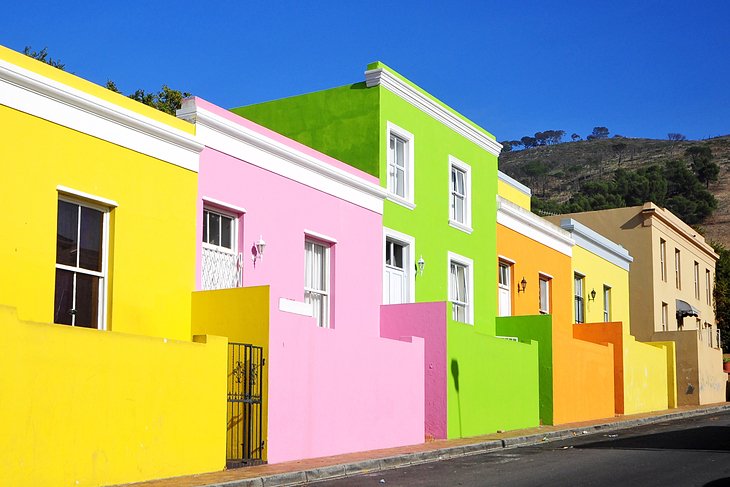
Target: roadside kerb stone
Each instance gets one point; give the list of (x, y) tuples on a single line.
[(388, 463), (283, 479)]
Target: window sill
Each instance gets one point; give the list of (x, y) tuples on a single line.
[(460, 226), (400, 201)]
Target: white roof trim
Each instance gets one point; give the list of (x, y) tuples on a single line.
[(532, 226), (596, 243), (514, 183), (397, 86), (46, 98), (257, 149)]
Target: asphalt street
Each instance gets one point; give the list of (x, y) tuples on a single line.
[(687, 452)]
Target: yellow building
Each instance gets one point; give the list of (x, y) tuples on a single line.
[(103, 381), (671, 283), (644, 372)]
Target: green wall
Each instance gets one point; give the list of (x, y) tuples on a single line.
[(340, 122), (535, 328), (492, 383)]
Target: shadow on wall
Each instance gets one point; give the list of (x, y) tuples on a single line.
[(455, 376)]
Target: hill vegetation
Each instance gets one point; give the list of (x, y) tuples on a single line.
[(688, 177)]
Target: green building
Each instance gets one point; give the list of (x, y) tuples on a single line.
[(439, 239)]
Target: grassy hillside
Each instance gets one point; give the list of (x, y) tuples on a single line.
[(558, 171)]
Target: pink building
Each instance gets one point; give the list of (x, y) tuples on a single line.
[(289, 259)]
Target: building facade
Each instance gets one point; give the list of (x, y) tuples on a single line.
[(107, 383), (671, 283), (289, 254), (439, 171)]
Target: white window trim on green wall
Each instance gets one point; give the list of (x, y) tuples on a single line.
[(469, 264), (464, 226), (409, 242), (408, 200)]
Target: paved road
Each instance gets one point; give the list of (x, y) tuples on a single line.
[(687, 452)]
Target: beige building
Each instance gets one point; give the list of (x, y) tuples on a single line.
[(671, 283)]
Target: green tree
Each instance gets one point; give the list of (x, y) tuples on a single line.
[(702, 164), (598, 133), (686, 197), (721, 294), (43, 57)]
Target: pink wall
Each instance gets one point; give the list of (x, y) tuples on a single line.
[(427, 320), (330, 390)]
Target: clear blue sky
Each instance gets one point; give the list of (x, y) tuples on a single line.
[(642, 68)]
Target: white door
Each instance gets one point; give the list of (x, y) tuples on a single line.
[(394, 275), (505, 293)]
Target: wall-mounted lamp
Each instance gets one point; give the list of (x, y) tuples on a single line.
[(522, 285), (593, 295), (421, 264), (257, 251)]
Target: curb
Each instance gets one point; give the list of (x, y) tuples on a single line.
[(416, 458)]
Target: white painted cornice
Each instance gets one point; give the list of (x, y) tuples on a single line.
[(438, 111), (29, 92), (227, 136), (532, 226), (597, 244)]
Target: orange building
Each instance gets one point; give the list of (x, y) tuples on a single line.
[(536, 278)]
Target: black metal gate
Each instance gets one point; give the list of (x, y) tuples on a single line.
[(244, 442)]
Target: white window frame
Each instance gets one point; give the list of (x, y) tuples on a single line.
[(547, 279), (697, 280), (665, 317), (234, 217), (577, 276), (469, 264), (509, 264), (678, 268), (105, 206), (708, 286), (606, 303), (663, 258), (465, 168), (410, 257), (408, 200), (327, 291)]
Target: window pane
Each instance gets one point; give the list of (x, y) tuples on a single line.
[(400, 177), (63, 301), (91, 239), (397, 256), (87, 300), (459, 209), (226, 232), (205, 225), (67, 233), (214, 225), (399, 152)]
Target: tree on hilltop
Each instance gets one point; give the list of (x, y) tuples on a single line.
[(598, 133), (43, 57)]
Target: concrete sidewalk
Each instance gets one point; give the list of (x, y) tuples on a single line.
[(311, 470)]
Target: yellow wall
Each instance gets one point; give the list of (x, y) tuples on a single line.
[(599, 272), (242, 315), (641, 384), (152, 245), (510, 193), (82, 407)]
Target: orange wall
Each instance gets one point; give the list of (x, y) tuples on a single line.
[(613, 333), (531, 258), (583, 374)]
